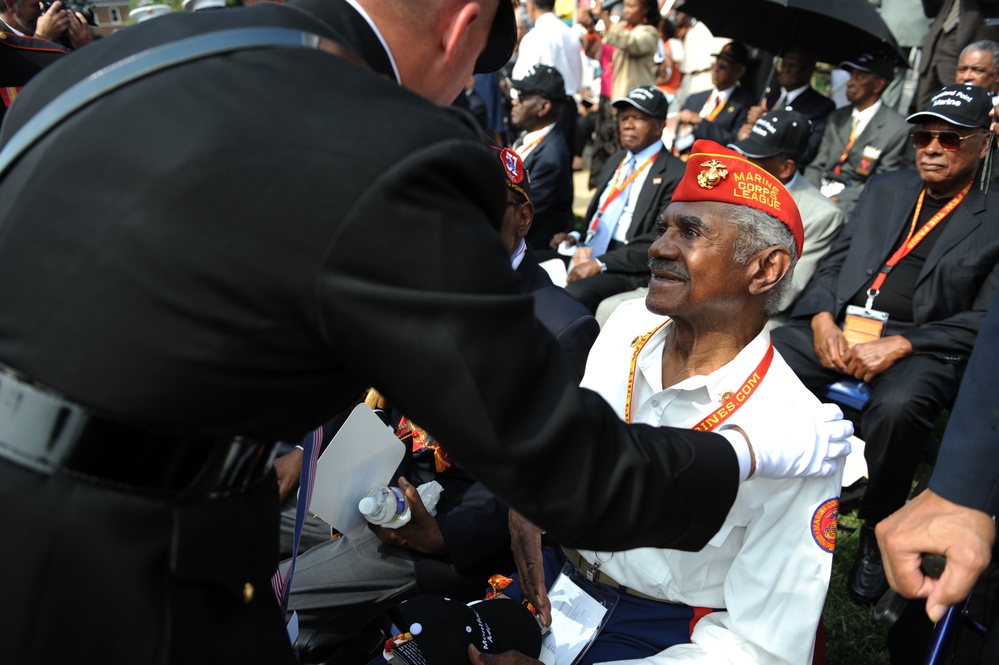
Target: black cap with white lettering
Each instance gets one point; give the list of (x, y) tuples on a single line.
[(959, 104), (776, 133)]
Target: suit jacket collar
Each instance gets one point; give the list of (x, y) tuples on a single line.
[(546, 141), (348, 27), (532, 276), (965, 218), (645, 197)]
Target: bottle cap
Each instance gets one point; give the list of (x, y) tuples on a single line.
[(367, 505)]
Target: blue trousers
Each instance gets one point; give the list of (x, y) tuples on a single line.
[(637, 628)]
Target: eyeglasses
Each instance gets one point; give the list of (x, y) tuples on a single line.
[(921, 138)]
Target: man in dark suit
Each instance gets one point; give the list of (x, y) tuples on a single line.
[(343, 584), (635, 186), (795, 93), (862, 139), (537, 106), (717, 114), (907, 333), (954, 517), (251, 283), (956, 23)]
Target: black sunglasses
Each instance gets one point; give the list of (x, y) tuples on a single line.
[(921, 138)]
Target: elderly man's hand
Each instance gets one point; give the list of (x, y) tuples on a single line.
[(829, 341), (587, 268), (783, 454), (930, 524), (421, 534), (866, 360), (559, 238), (289, 471), (525, 543), (688, 117), (507, 658)]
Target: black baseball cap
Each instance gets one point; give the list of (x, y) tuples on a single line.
[(734, 51), (438, 630), (959, 104), (647, 99), (502, 39), (871, 62), (776, 133), (542, 80)]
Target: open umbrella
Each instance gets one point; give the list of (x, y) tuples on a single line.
[(832, 30)]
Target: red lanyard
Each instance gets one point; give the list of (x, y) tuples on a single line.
[(731, 401), (913, 239), (615, 191)]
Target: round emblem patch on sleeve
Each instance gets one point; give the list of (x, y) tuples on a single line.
[(824, 524)]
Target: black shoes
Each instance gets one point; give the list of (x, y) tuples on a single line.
[(867, 582)]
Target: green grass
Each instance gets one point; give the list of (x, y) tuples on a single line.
[(852, 635)]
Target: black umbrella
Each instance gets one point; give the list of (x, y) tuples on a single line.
[(832, 30)]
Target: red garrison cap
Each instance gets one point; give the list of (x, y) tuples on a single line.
[(715, 173)]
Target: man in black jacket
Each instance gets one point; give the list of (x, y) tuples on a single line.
[(611, 255), (251, 282)]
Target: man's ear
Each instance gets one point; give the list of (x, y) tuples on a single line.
[(525, 217), (458, 29), (770, 265), (786, 169)]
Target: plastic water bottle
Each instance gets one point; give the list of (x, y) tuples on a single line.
[(386, 506)]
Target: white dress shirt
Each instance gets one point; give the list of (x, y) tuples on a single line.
[(550, 42)]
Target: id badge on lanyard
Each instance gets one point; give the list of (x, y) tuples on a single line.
[(863, 324)]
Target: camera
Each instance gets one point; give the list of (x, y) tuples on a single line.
[(76, 6)]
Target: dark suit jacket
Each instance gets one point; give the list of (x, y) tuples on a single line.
[(887, 131), (967, 469), (724, 128), (954, 288), (20, 59), (255, 279), (566, 318), (550, 167), (473, 520), (814, 106), (663, 177)]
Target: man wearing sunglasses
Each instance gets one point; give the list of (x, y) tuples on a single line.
[(898, 301)]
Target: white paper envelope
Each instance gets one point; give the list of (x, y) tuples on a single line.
[(363, 455)]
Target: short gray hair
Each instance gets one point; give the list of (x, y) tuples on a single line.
[(759, 230), (986, 45)]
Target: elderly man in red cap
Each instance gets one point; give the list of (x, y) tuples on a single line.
[(698, 355)]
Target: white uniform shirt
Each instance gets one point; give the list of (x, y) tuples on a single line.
[(767, 565), (550, 42)]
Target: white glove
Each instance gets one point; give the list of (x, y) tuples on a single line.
[(786, 455)]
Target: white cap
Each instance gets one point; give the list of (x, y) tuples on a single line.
[(140, 14), (367, 506), (197, 5)]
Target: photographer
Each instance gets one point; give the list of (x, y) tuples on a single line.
[(51, 21)]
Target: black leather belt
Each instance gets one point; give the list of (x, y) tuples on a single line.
[(42, 430)]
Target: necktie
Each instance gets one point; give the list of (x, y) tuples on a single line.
[(781, 101), (716, 109), (609, 220), (953, 16), (849, 144)]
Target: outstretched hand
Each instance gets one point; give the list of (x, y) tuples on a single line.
[(525, 543), (421, 534)]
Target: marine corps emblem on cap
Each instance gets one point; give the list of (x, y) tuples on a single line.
[(713, 174), (513, 165)]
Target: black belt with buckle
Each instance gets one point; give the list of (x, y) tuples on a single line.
[(44, 431)]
